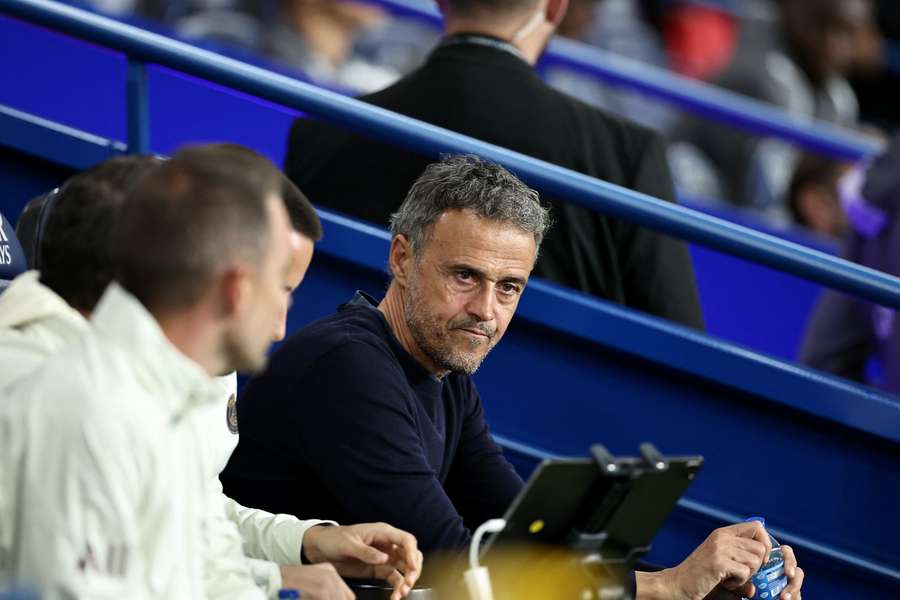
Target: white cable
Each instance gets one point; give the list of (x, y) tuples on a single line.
[(477, 578), (490, 526)]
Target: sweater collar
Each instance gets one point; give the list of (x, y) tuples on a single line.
[(411, 366)]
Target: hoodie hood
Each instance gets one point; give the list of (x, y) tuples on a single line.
[(27, 301)]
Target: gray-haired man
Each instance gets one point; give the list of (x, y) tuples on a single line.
[(371, 413)]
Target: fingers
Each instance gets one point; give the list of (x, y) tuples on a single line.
[(401, 589), (411, 568), (385, 535), (412, 576), (735, 573), (795, 574), (751, 560), (752, 530), (790, 561), (792, 591), (367, 554)]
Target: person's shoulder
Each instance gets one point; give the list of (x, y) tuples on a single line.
[(352, 333), (82, 396), (614, 132), (20, 354)]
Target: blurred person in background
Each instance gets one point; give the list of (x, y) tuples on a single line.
[(44, 311), (617, 26), (813, 195), (347, 44), (700, 35), (798, 62), (318, 37), (847, 336), (481, 81), (878, 84)]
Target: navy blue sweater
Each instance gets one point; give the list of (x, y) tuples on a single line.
[(344, 424)]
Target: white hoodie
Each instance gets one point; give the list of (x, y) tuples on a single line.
[(35, 324), (111, 498)]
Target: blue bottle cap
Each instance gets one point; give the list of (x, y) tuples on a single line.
[(288, 593)]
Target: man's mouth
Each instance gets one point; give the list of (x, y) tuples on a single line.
[(476, 332)]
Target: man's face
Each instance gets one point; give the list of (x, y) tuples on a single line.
[(464, 290), (263, 296), (300, 258)]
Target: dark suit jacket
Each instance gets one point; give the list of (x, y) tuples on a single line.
[(492, 94)]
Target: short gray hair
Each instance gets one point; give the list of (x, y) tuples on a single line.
[(467, 182)]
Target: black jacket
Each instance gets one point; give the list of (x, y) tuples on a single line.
[(492, 94)]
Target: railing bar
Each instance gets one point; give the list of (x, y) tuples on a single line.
[(430, 140), (137, 107)]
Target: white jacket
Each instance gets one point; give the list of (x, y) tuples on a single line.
[(34, 323), (112, 498)]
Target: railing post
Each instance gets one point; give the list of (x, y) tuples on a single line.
[(138, 115)]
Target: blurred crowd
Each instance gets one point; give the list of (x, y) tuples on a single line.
[(816, 59)]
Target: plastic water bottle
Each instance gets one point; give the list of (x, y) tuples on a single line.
[(770, 580)]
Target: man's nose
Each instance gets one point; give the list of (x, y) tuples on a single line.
[(482, 303)]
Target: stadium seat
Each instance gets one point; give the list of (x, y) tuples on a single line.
[(12, 257)]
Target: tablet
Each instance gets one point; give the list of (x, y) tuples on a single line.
[(582, 504)]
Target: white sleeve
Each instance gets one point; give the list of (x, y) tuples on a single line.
[(278, 538), (228, 573)]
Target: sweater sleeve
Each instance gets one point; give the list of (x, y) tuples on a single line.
[(481, 483), (357, 432), (657, 272)]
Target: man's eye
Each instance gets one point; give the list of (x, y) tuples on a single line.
[(509, 288), (464, 275)]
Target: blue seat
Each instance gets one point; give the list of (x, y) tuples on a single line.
[(12, 257)]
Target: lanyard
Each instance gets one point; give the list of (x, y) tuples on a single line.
[(482, 40)]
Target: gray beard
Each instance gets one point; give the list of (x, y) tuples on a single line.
[(444, 356)]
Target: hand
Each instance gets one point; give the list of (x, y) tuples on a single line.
[(722, 564), (369, 550), (791, 592), (794, 575), (316, 582)]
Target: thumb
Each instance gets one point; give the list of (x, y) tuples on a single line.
[(367, 554)]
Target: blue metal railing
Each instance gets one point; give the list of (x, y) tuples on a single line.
[(616, 201), (703, 99)]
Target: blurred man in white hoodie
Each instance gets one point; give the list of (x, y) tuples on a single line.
[(40, 313), (31, 336)]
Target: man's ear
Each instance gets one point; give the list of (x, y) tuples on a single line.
[(401, 259), (555, 11), (234, 290)]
